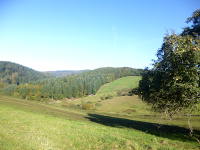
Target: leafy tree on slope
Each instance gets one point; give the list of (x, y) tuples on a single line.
[(174, 81)]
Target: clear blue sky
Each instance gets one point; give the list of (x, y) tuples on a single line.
[(88, 34)]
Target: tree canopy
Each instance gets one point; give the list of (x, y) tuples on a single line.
[(174, 81)]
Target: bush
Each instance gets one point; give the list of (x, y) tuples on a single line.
[(124, 92), (106, 97), (88, 106), (133, 92)]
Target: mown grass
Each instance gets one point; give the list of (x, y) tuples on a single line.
[(21, 129)]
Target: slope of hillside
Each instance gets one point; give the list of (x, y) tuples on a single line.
[(111, 90), (109, 102), (27, 125), (119, 122), (12, 73), (85, 83), (122, 84)]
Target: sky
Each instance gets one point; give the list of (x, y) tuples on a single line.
[(87, 34)]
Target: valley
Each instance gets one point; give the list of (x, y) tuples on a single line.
[(99, 75), (117, 122)]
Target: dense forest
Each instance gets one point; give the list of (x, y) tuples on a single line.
[(62, 73), (85, 83), (12, 73)]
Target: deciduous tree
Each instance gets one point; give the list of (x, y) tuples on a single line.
[(174, 81)]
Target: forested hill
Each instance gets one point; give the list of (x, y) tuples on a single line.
[(12, 73), (62, 73), (79, 85)]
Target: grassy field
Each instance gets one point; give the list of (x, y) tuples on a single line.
[(120, 84), (120, 122), (109, 89), (125, 106), (24, 126)]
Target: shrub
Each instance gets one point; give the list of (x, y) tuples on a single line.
[(88, 106), (106, 97), (124, 92)]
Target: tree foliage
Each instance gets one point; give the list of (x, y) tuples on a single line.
[(174, 81), (194, 29)]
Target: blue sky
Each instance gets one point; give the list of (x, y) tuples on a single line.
[(87, 34)]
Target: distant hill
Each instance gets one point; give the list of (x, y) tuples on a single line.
[(62, 73), (71, 86), (12, 73)]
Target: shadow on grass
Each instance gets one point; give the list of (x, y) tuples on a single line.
[(166, 131)]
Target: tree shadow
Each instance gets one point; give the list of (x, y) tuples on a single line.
[(161, 130)]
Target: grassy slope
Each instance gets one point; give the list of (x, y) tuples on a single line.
[(22, 129), (130, 107), (119, 123), (129, 82), (111, 89)]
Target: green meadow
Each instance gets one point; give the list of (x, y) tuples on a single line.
[(125, 83), (118, 123), (100, 75)]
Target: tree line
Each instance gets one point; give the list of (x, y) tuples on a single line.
[(72, 86)]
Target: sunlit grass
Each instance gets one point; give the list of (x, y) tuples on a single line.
[(120, 122), (112, 88), (20, 129)]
